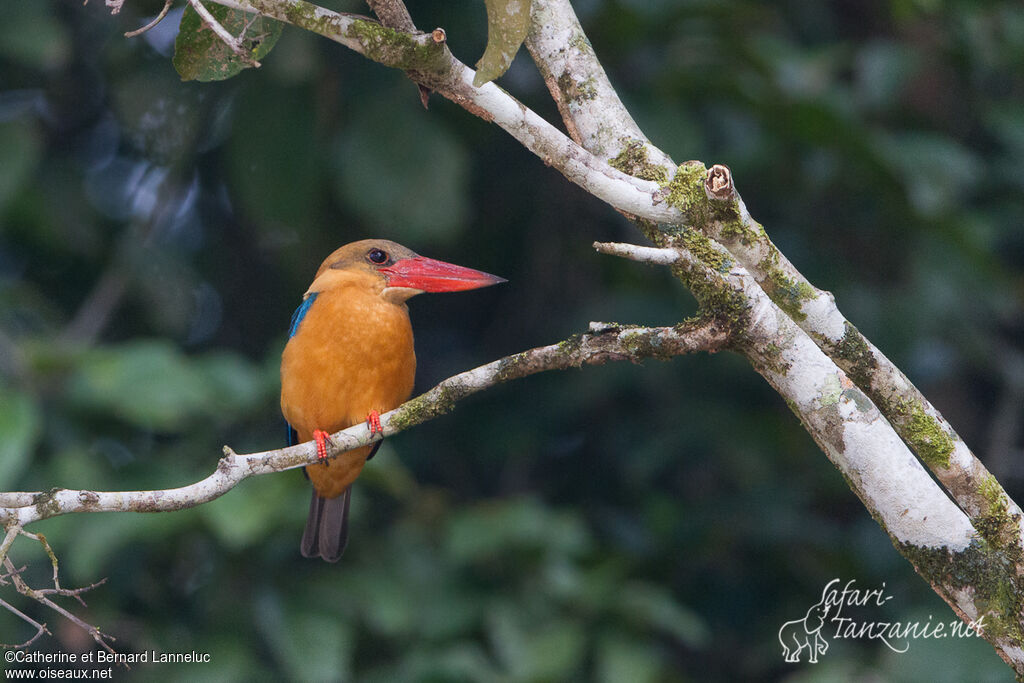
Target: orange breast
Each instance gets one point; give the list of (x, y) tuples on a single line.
[(352, 354)]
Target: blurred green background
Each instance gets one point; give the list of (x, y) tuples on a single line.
[(621, 523)]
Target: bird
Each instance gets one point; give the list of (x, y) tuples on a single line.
[(348, 358)]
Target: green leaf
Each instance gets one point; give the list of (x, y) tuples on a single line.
[(19, 430), (654, 606), (244, 515), (403, 172), (508, 21), (153, 385), (20, 149), (493, 529), (622, 657), (199, 55), (146, 383), (938, 173), (235, 384), (90, 547), (274, 138), (310, 646), (532, 650)]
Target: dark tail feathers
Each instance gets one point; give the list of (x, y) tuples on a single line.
[(326, 533)]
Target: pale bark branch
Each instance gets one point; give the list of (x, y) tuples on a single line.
[(993, 515), (602, 344), (879, 467), (590, 106), (996, 516), (588, 102), (606, 343)]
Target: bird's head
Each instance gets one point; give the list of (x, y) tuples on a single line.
[(395, 272)]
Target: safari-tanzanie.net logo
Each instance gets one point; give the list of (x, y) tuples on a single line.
[(830, 619)]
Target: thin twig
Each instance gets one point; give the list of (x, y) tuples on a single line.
[(40, 628), (12, 533), (40, 597), (160, 17), (9, 575), (222, 33)]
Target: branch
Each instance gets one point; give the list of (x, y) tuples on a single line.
[(978, 580), (996, 516), (602, 344), (589, 104), (40, 628), (590, 107), (846, 425), (42, 595), (430, 63), (231, 41), (160, 17)]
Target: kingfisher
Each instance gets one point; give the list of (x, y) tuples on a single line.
[(350, 357)]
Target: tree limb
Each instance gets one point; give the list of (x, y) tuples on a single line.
[(977, 580), (432, 64), (602, 344), (587, 101)]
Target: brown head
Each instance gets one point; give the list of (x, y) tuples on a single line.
[(393, 271)]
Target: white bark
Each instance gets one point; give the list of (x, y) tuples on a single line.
[(890, 481), (604, 343)]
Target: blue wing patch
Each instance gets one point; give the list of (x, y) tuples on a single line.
[(291, 436), (300, 313)]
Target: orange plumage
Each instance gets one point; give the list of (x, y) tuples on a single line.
[(351, 355)]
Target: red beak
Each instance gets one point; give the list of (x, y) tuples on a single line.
[(429, 275)]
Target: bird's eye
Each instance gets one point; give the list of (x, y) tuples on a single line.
[(377, 256)]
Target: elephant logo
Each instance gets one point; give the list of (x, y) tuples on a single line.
[(805, 634)]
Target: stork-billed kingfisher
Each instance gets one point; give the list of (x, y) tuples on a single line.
[(350, 357)]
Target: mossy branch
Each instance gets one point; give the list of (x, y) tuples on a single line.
[(423, 52), (710, 204)]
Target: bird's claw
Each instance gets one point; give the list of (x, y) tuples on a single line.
[(322, 439), (373, 422)]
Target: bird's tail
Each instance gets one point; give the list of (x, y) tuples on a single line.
[(326, 533)]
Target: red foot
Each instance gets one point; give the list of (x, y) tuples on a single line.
[(373, 422), (322, 439)]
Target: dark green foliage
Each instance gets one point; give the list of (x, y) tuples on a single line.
[(201, 55)]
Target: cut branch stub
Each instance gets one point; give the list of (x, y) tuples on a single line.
[(718, 184)]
